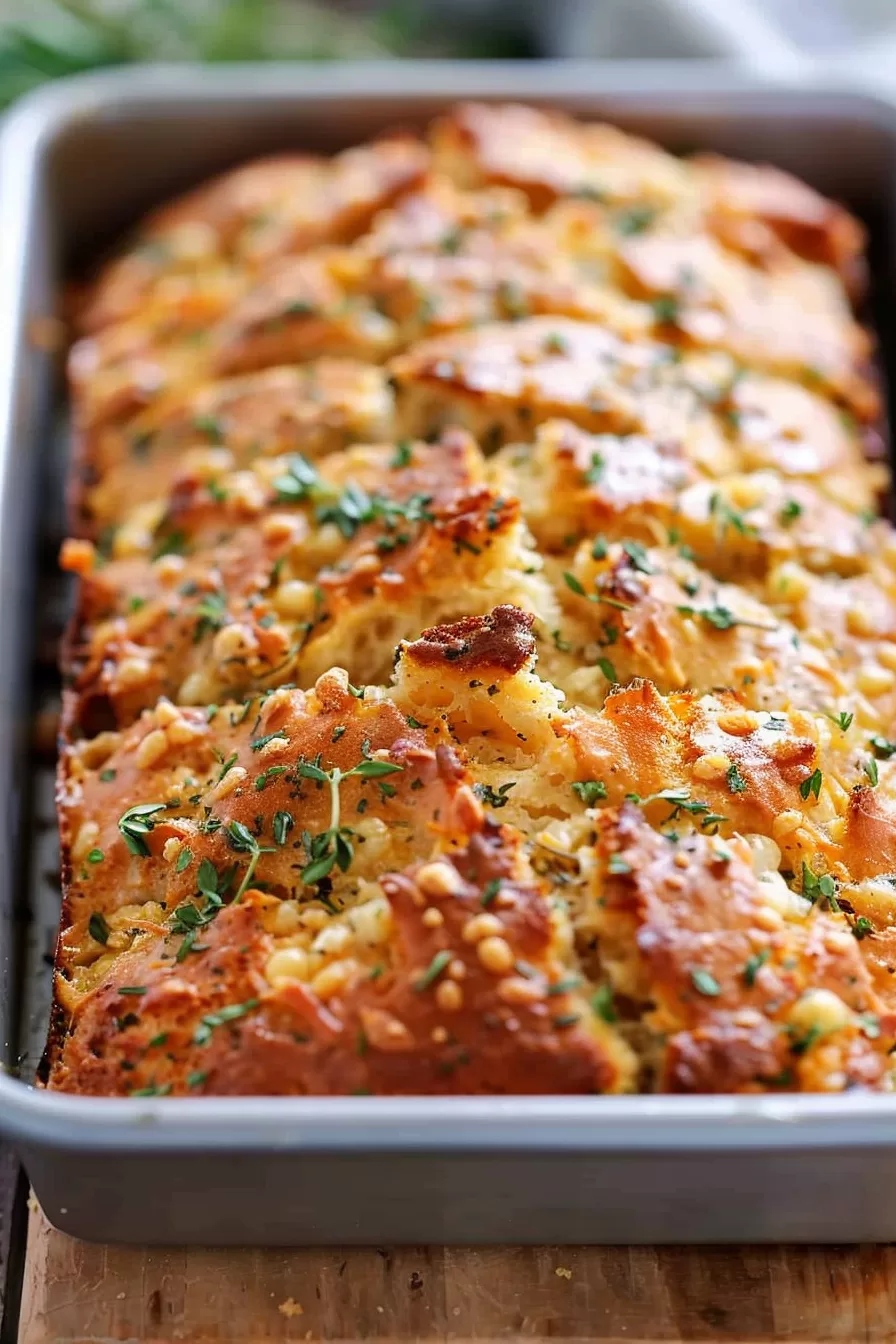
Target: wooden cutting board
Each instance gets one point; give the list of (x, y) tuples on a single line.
[(76, 1293)]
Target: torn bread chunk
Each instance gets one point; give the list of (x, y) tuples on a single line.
[(296, 311), (735, 997), (246, 580), (552, 157), (503, 380), (629, 611), (312, 409), (549, 155), (268, 208), (431, 942)]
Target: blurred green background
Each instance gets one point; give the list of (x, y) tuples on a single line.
[(45, 39)]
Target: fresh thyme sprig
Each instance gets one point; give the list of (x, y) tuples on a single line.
[(333, 847), (241, 839)]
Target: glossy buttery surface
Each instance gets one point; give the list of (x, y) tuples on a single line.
[(483, 674)]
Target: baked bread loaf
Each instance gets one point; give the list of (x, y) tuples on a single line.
[(483, 671)]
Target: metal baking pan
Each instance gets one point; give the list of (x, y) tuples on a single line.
[(77, 163)]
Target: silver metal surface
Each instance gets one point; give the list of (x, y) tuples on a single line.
[(77, 163)]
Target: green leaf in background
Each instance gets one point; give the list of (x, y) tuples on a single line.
[(66, 37)]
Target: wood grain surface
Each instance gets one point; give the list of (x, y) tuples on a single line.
[(76, 1293)]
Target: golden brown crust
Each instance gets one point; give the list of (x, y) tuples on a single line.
[(578, 434), (243, 581), (548, 155), (400, 1031), (311, 409), (551, 157), (499, 642), (739, 996), (287, 203), (743, 197), (502, 380)]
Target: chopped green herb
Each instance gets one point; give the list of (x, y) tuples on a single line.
[(211, 614), (203, 1033), (790, 511), (355, 507), (136, 823), (727, 517), (208, 425), (870, 769), (705, 983), (402, 455), (812, 785), (595, 471), (819, 888), (607, 669), (665, 309), (637, 555), (555, 343), (721, 618), (490, 891), (107, 776), (260, 742), (435, 968), (282, 825), (863, 928), (98, 927), (883, 748), (617, 864), (754, 964), (184, 859), (227, 766), (735, 780), (603, 1005), (95, 856), (590, 791), (635, 220), (564, 986), (573, 584), (300, 481), (153, 1090), (800, 1044), (171, 543), (494, 798)]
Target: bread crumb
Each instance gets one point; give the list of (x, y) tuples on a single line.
[(562, 1272), (291, 1308)]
